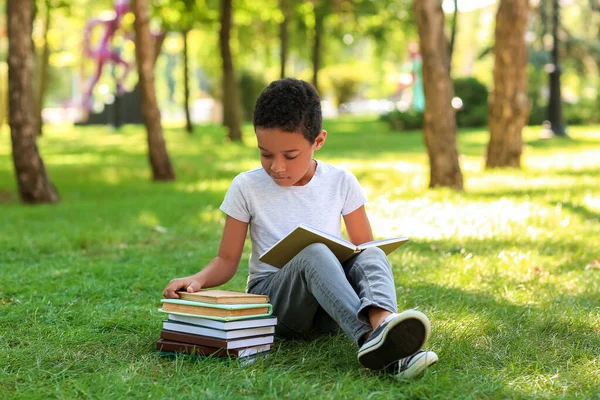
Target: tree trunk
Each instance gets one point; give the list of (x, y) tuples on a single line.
[(509, 105), (158, 43), (453, 33), (316, 56), (43, 72), (285, 7), (186, 84), (3, 92), (162, 169), (555, 107), (439, 124), (34, 185), (231, 98)]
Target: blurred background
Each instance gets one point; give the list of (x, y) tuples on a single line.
[(360, 54)]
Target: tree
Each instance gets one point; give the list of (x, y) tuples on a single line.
[(186, 82), (439, 124), (286, 9), (43, 70), (41, 83), (555, 101), (509, 105), (181, 16), (232, 118), (453, 32), (144, 54), (320, 12), (33, 182)]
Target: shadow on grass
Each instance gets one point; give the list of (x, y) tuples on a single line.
[(560, 143), (581, 211), (476, 331)]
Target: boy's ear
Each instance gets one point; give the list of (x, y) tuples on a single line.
[(320, 140)]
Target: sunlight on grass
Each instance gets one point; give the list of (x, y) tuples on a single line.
[(425, 218), (111, 176), (506, 181), (72, 159), (147, 218), (220, 186), (592, 202), (563, 160), (211, 215)]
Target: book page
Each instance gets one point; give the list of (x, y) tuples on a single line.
[(333, 238), (387, 245), (287, 248)]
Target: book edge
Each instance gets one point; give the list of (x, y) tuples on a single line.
[(383, 242), (216, 318)]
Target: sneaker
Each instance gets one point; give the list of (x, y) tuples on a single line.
[(398, 336), (413, 366)]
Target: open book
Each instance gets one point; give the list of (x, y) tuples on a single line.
[(283, 251)]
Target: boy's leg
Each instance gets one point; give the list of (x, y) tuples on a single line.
[(398, 335), (370, 274), (312, 280)]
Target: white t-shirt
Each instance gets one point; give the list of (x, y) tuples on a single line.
[(274, 211)]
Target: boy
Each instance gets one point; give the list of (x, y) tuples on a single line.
[(313, 292)]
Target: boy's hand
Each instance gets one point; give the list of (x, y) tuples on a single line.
[(188, 283)]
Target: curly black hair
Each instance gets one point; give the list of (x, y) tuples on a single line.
[(291, 105)]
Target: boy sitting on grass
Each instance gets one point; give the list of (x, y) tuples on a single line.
[(313, 292)]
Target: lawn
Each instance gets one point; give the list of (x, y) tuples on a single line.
[(500, 268)]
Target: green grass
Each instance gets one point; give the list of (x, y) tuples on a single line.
[(500, 268)]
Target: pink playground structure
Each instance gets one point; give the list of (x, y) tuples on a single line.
[(104, 52)]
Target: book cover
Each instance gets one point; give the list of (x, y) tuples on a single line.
[(216, 333), (214, 342), (215, 318), (216, 310), (176, 347), (223, 297), (224, 325), (303, 235)]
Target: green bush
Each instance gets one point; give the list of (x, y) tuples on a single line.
[(537, 80), (538, 114), (251, 85), (474, 95), (584, 112), (343, 81), (407, 120)]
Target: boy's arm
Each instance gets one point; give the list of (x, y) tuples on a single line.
[(221, 268), (358, 226)]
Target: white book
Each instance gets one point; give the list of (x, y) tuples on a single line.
[(253, 350), (245, 361), (217, 333), (224, 325), (303, 235)]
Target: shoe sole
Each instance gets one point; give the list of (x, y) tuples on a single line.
[(419, 366), (404, 337)]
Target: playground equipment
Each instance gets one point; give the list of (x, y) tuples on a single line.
[(105, 52)]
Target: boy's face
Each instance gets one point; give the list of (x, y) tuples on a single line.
[(287, 156)]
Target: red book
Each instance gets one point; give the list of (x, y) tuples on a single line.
[(177, 347), (214, 342)]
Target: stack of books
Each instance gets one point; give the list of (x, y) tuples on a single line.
[(217, 323)]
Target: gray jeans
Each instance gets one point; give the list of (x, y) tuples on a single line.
[(314, 292)]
